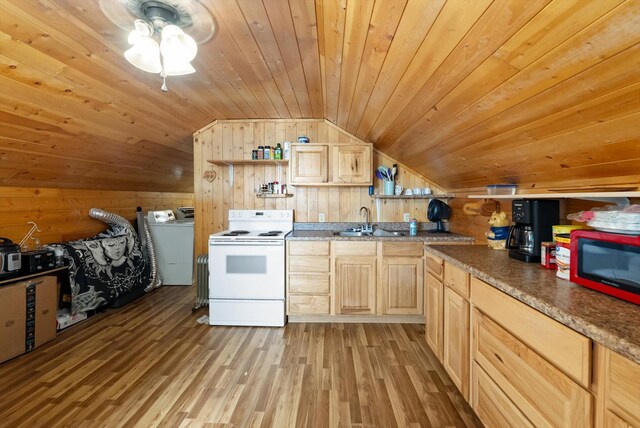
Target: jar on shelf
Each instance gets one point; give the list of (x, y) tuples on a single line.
[(267, 152), (260, 152), (277, 152), (254, 155)]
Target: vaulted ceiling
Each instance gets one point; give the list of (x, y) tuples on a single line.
[(467, 92)]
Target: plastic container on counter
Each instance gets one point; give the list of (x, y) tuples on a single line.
[(562, 237), (502, 189)]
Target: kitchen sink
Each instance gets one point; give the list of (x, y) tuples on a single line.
[(382, 232), (350, 233)]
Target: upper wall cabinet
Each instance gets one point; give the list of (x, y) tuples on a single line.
[(330, 165), (351, 164), (309, 163)]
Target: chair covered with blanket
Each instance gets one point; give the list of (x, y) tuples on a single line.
[(109, 266)]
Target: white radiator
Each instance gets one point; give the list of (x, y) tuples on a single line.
[(202, 281)]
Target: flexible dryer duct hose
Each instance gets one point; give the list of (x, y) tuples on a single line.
[(150, 253)]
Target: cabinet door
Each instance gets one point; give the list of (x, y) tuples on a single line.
[(402, 285), (308, 163), (622, 387), (351, 164), (456, 340), (355, 285), (433, 293)]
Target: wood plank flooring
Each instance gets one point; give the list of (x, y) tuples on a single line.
[(150, 364)]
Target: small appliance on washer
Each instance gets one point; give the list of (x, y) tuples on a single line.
[(173, 242), (247, 269)]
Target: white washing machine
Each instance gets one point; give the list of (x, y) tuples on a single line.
[(173, 242)]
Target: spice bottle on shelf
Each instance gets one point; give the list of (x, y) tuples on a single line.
[(277, 152), (260, 152), (254, 154), (267, 152), (276, 187)]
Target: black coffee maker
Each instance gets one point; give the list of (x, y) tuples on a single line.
[(532, 220)]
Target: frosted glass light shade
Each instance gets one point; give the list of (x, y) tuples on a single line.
[(145, 54), (177, 68), (177, 45)]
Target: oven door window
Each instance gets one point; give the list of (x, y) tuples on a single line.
[(246, 265), (610, 263)]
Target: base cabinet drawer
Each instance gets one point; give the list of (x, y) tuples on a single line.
[(309, 283), (491, 405), (306, 305), (308, 264), (544, 394), (566, 349)]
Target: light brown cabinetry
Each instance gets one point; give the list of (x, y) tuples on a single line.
[(309, 163), (355, 277), (619, 390), (355, 285), (455, 326), (542, 392), (433, 303), (491, 404), (563, 347), (401, 280), (351, 164), (542, 366), (308, 279), (331, 165), (433, 311), (455, 357)]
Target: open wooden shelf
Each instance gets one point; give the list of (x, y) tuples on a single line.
[(445, 196), (613, 197), (232, 162), (274, 195)]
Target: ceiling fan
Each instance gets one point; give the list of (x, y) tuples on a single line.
[(159, 43)]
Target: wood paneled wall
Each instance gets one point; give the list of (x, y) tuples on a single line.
[(235, 140), (63, 214)]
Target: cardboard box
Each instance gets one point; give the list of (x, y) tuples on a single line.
[(27, 315), (13, 320), (46, 309)]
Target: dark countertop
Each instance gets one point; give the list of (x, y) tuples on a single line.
[(325, 235), (605, 319)]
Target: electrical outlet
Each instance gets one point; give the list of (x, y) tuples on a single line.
[(321, 217), (406, 217)]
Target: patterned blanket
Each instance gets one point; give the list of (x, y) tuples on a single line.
[(105, 267)]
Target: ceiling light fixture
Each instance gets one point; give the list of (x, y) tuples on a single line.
[(158, 41), (173, 56)]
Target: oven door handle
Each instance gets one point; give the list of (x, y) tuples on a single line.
[(255, 243)]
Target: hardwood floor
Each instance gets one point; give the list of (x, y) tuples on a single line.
[(150, 364)]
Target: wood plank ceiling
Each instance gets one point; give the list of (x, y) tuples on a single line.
[(467, 92)]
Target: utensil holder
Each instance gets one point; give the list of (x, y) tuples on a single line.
[(388, 187)]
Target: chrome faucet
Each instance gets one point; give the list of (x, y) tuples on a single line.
[(366, 227)]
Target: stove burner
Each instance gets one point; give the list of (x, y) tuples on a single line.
[(230, 234), (239, 232), (274, 233)]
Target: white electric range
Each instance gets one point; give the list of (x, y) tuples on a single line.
[(247, 269)]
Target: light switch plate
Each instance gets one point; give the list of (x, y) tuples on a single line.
[(406, 217), (321, 217)]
